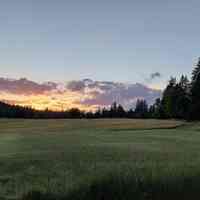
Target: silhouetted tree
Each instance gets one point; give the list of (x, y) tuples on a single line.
[(141, 109), (131, 113), (113, 110), (98, 113), (155, 110), (120, 111), (176, 101), (195, 92), (75, 113)]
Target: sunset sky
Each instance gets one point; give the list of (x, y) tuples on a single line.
[(122, 42)]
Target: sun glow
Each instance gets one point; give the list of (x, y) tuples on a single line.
[(86, 94), (157, 86), (56, 101)]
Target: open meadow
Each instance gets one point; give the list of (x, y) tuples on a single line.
[(99, 159)]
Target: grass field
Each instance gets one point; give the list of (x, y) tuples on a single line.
[(119, 159)]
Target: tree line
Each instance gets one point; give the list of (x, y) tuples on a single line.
[(115, 111), (180, 100)]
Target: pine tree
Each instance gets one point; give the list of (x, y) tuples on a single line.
[(141, 109), (196, 72), (195, 92)]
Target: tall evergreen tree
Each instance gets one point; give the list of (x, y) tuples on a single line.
[(168, 100), (195, 92), (196, 72), (156, 110), (120, 111), (176, 99), (141, 109)]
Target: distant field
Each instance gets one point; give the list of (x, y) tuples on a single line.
[(60, 126), (99, 159)]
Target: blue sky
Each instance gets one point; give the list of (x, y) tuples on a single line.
[(115, 40)]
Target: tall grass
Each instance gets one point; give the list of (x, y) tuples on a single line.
[(84, 160), (138, 185)]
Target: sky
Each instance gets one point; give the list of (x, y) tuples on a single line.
[(104, 40)]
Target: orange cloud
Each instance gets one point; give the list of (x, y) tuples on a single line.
[(51, 100), (84, 94)]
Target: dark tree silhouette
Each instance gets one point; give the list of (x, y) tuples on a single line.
[(195, 92), (141, 109)]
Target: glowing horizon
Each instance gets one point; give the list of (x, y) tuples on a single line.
[(87, 95)]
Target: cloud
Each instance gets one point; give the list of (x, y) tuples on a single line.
[(152, 78), (25, 86), (103, 93), (76, 85), (85, 94), (126, 95), (155, 75)]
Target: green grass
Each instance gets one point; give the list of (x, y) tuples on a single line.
[(99, 159)]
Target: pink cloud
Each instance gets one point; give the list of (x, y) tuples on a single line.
[(25, 86), (85, 94)]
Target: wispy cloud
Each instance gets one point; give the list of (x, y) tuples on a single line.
[(154, 80), (155, 75)]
